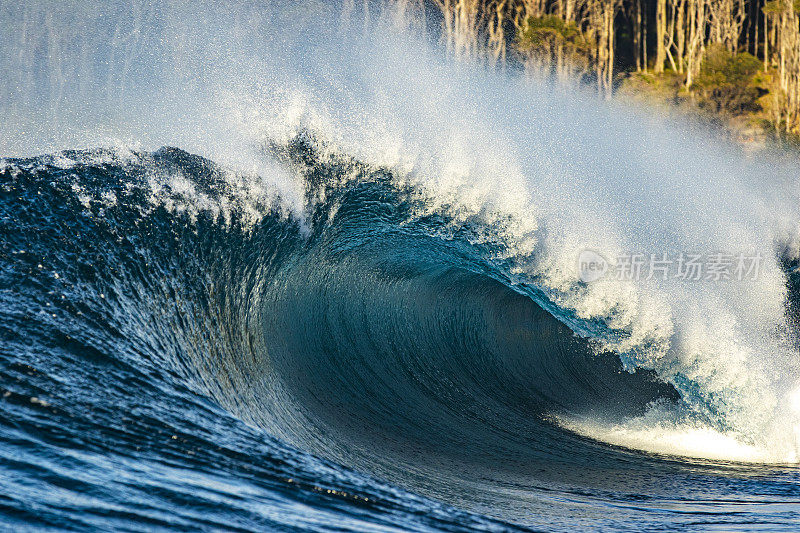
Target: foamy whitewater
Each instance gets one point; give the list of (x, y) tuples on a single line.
[(365, 255)]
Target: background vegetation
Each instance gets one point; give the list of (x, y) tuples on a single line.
[(735, 61)]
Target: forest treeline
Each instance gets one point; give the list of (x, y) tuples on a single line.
[(730, 57)]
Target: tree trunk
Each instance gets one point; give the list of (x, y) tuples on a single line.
[(661, 35)]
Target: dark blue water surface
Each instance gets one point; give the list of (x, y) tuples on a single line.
[(178, 355)]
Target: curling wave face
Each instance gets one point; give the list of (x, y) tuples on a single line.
[(549, 174), (375, 332)]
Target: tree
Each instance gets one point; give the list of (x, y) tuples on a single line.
[(725, 80)]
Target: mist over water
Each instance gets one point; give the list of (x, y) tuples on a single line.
[(451, 200)]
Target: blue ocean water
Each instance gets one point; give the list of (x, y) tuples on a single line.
[(164, 368)]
